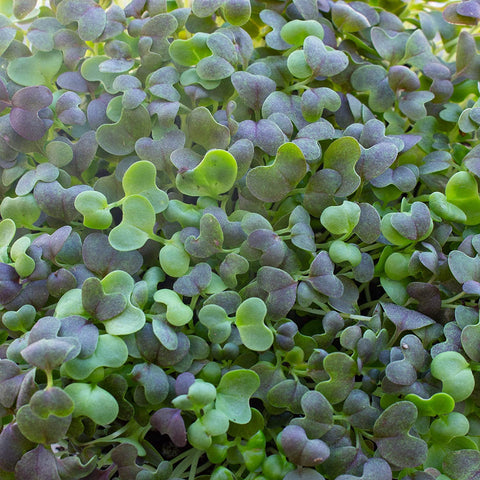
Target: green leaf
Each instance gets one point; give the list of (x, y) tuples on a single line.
[(437, 404), (90, 71), (342, 370), (178, 313), (249, 320), (20, 321), (347, 19), (217, 321), (110, 352), (342, 155), (214, 175), (7, 232), (454, 372), (119, 138), (136, 226), (39, 69), (173, 258), (206, 131), (447, 427), (340, 252), (39, 429), (190, 52), (132, 318), (140, 179), (233, 394), (296, 31), (341, 219), (94, 208), (237, 12), (274, 182), (93, 402), (462, 191), (24, 211)]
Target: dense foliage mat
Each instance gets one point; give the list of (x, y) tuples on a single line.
[(239, 240)]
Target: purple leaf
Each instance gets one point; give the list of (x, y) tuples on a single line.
[(37, 464), (72, 81), (321, 276), (24, 116), (281, 288), (68, 111), (405, 318), (12, 446), (169, 421)]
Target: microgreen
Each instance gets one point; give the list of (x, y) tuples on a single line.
[(239, 240)]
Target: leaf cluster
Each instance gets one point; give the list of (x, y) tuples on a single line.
[(239, 240)]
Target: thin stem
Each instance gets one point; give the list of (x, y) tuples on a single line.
[(453, 299), (193, 468), (49, 375), (107, 438), (186, 462), (361, 318), (158, 239)]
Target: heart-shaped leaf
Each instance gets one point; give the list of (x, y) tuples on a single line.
[(437, 404), (93, 402), (178, 313), (454, 372), (110, 352), (42, 429), (210, 239), (195, 282), (316, 100), (324, 61), (119, 138), (302, 451), (318, 412), (154, 381), (281, 289), (342, 156), (273, 183), (321, 276), (91, 18), (233, 394), (26, 106), (264, 134), (51, 401), (253, 89), (97, 303), (140, 179), (249, 320), (217, 321), (136, 226), (394, 442), (342, 370), (39, 69), (214, 175), (94, 208)]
